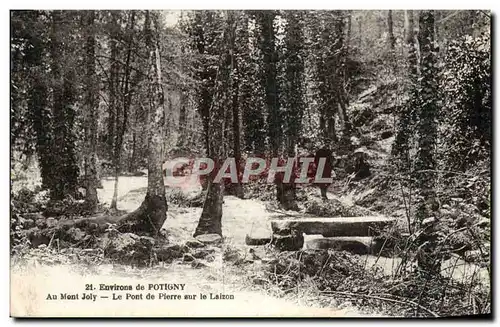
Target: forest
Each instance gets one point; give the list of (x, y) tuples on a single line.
[(394, 105)]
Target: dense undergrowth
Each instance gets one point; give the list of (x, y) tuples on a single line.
[(347, 277)]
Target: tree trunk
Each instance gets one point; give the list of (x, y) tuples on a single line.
[(349, 33), (428, 260), (390, 32), (90, 118), (123, 110), (270, 85), (116, 175), (293, 99), (181, 141), (66, 178), (132, 166), (286, 192), (37, 101), (211, 217), (407, 117), (112, 85), (236, 189), (153, 211), (269, 79), (360, 32), (113, 105)]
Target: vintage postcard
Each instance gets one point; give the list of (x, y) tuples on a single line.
[(250, 163)]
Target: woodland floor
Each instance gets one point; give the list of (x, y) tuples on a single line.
[(218, 276), (215, 277)]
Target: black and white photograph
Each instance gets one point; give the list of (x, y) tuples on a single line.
[(250, 163)]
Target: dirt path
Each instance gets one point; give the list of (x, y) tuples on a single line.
[(32, 282)]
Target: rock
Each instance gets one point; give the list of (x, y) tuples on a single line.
[(386, 134), (148, 241), (163, 233), (202, 253), (269, 260), (170, 252), (483, 223), (213, 239), (257, 240), (51, 222), (359, 164), (41, 223), (330, 208), (232, 255), (428, 221), (252, 255), (127, 247), (487, 247), (356, 245), (338, 226), (259, 281), (197, 201), (37, 237), (473, 256), (194, 244), (291, 242), (26, 223), (197, 264), (118, 241), (76, 234), (188, 257), (362, 117), (390, 245), (34, 216)]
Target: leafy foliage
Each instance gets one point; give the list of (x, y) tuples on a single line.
[(466, 90)]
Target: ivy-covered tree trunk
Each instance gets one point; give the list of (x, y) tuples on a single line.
[(425, 164), (153, 211), (342, 82), (211, 217), (329, 55), (269, 80), (183, 135), (235, 189), (268, 74), (63, 146), (113, 106), (251, 100), (40, 113), (204, 44), (406, 119), (391, 40), (122, 107), (90, 115), (293, 96)]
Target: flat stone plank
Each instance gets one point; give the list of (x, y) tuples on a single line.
[(288, 242), (356, 244), (262, 240), (209, 238), (335, 226)]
